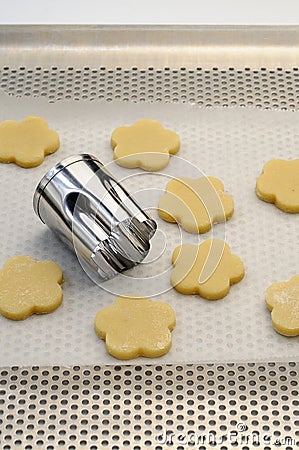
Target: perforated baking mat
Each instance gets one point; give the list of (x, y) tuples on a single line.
[(232, 144)]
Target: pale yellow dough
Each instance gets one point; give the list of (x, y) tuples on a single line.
[(29, 287), (145, 144), (282, 299), (195, 203), (279, 184), (208, 269), (136, 326), (26, 143)]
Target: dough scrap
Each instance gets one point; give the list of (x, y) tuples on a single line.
[(195, 203), (145, 144), (26, 143), (136, 326), (282, 299), (279, 184), (29, 287), (208, 269)]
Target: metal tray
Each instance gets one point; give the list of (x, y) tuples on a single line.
[(197, 406)]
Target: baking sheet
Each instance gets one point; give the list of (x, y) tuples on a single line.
[(232, 144)]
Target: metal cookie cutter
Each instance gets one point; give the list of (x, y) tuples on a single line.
[(94, 215)]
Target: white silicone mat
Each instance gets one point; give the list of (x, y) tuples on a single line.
[(232, 144)]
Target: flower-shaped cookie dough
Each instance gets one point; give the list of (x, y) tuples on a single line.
[(283, 300), (208, 269), (29, 287), (279, 184), (26, 143), (136, 326), (195, 203), (145, 144)]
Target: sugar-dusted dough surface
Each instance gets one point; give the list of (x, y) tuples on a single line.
[(195, 203), (279, 184), (282, 299), (29, 287), (27, 142), (208, 269), (145, 144), (136, 326)]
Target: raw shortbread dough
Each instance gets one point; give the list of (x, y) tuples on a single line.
[(279, 184), (29, 287), (145, 144), (282, 299), (208, 269), (195, 203), (136, 326), (26, 143)]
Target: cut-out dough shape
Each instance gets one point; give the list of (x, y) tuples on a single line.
[(145, 144), (208, 269), (279, 184), (29, 287), (282, 299), (195, 203), (136, 326), (26, 143)]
